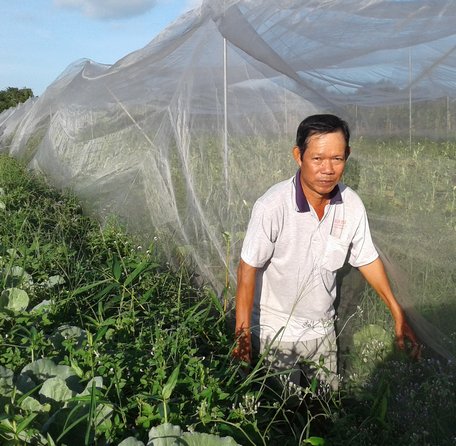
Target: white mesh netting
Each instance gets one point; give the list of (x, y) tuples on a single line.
[(152, 140)]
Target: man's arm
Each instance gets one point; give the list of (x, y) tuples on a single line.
[(375, 275), (245, 292)]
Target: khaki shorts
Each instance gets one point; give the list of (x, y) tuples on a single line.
[(304, 359)]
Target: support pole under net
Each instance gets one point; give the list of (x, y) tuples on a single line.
[(225, 115), (410, 99)]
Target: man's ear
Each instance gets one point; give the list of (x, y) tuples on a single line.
[(297, 155), (348, 151)]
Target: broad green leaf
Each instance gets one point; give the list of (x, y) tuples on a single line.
[(32, 405), (16, 276), (56, 389), (31, 437), (202, 439), (103, 417), (2, 206), (164, 435), (42, 369), (25, 384), (88, 389), (6, 381), (43, 305), (17, 271), (371, 332), (45, 368), (315, 441), (131, 441), (24, 437), (54, 280), (171, 383), (12, 252), (64, 332), (6, 426), (14, 299), (169, 435)]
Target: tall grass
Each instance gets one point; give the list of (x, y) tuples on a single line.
[(109, 340), (101, 339)]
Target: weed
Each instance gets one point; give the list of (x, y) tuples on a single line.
[(101, 339)]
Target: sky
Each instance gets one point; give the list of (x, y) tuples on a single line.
[(39, 39)]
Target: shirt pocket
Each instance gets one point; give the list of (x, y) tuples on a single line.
[(335, 253)]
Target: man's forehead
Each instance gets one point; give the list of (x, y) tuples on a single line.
[(324, 141)]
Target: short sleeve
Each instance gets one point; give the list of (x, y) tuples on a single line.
[(259, 241), (362, 250)]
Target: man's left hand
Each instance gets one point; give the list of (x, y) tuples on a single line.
[(405, 332)]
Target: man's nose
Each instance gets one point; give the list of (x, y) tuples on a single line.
[(328, 167)]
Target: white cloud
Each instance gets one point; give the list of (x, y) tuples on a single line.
[(191, 4), (108, 9)]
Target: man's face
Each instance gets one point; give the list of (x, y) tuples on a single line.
[(322, 164)]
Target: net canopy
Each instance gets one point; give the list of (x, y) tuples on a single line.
[(179, 138)]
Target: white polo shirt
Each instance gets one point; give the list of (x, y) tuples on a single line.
[(297, 256)]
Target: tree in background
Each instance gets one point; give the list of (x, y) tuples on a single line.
[(13, 96)]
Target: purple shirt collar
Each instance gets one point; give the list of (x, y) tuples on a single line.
[(301, 200)]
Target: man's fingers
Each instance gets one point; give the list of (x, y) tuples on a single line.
[(400, 342), (416, 350), (416, 347), (243, 350)]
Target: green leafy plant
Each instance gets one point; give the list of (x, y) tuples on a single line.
[(112, 341)]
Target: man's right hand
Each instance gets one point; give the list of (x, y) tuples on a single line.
[(243, 349)]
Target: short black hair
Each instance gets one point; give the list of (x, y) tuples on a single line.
[(318, 125)]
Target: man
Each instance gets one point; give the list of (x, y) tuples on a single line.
[(301, 232)]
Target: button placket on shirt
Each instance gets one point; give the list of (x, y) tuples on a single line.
[(317, 236)]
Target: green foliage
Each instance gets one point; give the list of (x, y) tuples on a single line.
[(169, 435), (403, 403), (111, 339), (13, 96), (112, 344), (14, 299)]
